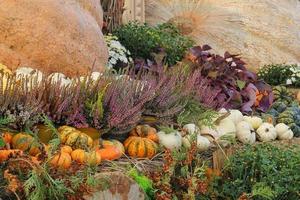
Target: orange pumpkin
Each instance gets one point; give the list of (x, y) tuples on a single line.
[(74, 138), (61, 160), (145, 131), (4, 154), (79, 155), (7, 137), (67, 149), (108, 143), (139, 147), (34, 149), (93, 158), (22, 141), (110, 153)]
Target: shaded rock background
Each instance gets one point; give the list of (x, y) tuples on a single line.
[(52, 35), (120, 187), (262, 31)]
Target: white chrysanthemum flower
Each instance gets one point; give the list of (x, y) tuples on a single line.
[(289, 82), (117, 52)]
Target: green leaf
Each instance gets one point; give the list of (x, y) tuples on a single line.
[(241, 84)]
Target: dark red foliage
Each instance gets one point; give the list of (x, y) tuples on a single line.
[(229, 78)]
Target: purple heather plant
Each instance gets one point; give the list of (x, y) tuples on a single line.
[(20, 100), (125, 99)]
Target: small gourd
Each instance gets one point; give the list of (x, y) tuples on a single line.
[(266, 132), (61, 160), (67, 149), (191, 129), (22, 141), (172, 140), (284, 132), (93, 158), (79, 155), (74, 138), (108, 143), (226, 126), (245, 133), (203, 143), (236, 116), (139, 147), (110, 153), (145, 131), (254, 121), (7, 138)]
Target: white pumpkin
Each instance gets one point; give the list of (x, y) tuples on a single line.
[(203, 143), (191, 129), (254, 121), (245, 133), (226, 126), (266, 132), (236, 116), (284, 132), (171, 140)]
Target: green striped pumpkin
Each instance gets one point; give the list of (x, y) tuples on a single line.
[(138, 147)]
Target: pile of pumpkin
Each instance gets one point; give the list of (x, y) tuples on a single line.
[(230, 124), (81, 145)]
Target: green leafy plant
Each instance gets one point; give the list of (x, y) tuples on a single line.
[(143, 40), (280, 74), (263, 171)]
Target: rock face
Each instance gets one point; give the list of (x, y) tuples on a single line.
[(262, 31), (52, 35), (120, 188)]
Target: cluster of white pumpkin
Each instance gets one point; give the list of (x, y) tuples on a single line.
[(55, 77), (232, 124)]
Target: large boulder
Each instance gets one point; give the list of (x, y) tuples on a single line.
[(262, 31), (116, 186), (52, 35)]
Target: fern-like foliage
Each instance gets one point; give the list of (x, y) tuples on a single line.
[(195, 113)]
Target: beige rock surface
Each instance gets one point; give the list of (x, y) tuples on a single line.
[(120, 187), (262, 31), (52, 35)]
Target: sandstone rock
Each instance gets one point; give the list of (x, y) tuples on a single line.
[(121, 187), (262, 31), (52, 35)]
